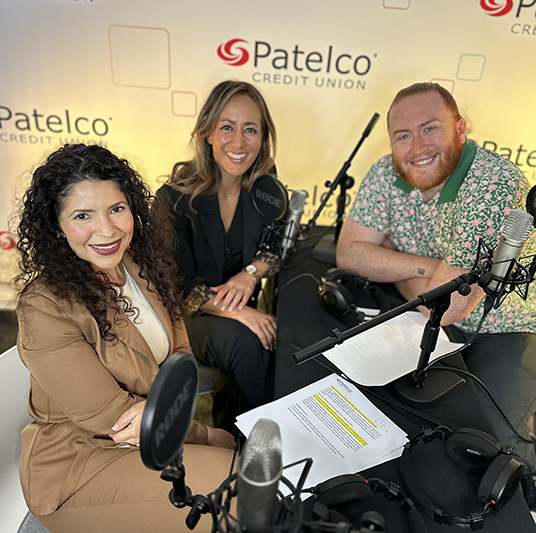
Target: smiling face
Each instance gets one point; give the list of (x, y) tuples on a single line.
[(237, 137), (98, 225), (426, 140)]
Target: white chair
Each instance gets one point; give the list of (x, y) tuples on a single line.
[(14, 389)]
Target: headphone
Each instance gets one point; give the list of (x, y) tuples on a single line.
[(335, 293), (474, 452), (343, 498)]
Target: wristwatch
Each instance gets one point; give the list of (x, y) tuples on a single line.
[(252, 270)]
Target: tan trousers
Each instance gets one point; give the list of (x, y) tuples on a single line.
[(128, 497)]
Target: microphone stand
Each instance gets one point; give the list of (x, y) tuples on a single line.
[(181, 495), (325, 249), (411, 388)]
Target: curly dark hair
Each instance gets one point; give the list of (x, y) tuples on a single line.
[(46, 254)]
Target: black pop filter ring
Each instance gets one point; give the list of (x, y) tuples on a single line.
[(169, 411), (531, 204), (270, 197)]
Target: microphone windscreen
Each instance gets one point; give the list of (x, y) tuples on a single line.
[(297, 200), (259, 469), (261, 460), (518, 225)]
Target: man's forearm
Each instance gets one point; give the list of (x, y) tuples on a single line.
[(460, 306), (383, 265)]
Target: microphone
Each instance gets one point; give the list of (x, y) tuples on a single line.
[(169, 411), (259, 469), (292, 224), (511, 241), (269, 197)]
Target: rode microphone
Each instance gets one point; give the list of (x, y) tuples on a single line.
[(169, 411), (511, 241), (292, 224), (259, 470), (270, 197)]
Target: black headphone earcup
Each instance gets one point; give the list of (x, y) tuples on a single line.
[(324, 514), (333, 274), (500, 481), (334, 298), (345, 494), (472, 450)]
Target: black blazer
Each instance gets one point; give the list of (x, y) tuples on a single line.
[(200, 250)]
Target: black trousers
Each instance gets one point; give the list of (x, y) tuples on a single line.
[(244, 370)]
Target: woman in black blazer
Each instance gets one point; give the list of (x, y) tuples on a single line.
[(218, 231)]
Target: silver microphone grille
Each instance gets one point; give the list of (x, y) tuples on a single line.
[(297, 200), (518, 225), (261, 459)]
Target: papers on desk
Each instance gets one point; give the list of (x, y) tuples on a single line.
[(386, 352), (332, 422)]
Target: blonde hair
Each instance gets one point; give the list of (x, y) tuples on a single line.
[(201, 175)]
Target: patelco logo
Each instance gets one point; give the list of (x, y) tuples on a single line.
[(234, 55), (497, 8)]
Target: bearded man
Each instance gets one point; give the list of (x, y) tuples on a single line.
[(416, 222)]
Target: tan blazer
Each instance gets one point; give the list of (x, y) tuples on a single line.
[(80, 386)]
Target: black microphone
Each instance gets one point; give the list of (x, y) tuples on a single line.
[(511, 241), (169, 411), (292, 224), (259, 469), (269, 197)]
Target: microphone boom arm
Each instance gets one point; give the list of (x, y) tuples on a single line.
[(461, 284), (342, 173)]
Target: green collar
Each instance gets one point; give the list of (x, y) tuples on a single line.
[(451, 188)]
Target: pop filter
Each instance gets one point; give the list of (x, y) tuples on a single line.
[(169, 411), (270, 197), (531, 204)]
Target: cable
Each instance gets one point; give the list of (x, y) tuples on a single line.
[(306, 241), (279, 289), (486, 390)]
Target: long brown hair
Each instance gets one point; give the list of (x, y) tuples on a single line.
[(201, 175)]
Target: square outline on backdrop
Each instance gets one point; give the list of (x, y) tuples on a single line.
[(168, 56), (460, 67), (396, 7), (173, 103)]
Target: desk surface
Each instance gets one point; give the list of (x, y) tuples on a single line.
[(302, 321)]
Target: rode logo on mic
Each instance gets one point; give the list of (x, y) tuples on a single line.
[(173, 413), (268, 198)]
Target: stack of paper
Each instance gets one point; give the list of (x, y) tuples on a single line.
[(332, 422), (386, 352)]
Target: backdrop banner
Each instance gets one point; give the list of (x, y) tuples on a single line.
[(132, 74)]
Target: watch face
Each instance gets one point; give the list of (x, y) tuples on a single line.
[(251, 268)]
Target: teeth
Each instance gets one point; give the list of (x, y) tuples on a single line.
[(423, 161), (100, 247), (236, 156)]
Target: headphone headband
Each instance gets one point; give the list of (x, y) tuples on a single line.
[(473, 451)]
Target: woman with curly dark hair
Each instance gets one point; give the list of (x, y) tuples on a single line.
[(219, 229), (100, 311)]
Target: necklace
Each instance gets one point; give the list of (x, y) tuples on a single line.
[(232, 195)]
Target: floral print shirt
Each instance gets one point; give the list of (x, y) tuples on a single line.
[(473, 204)]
